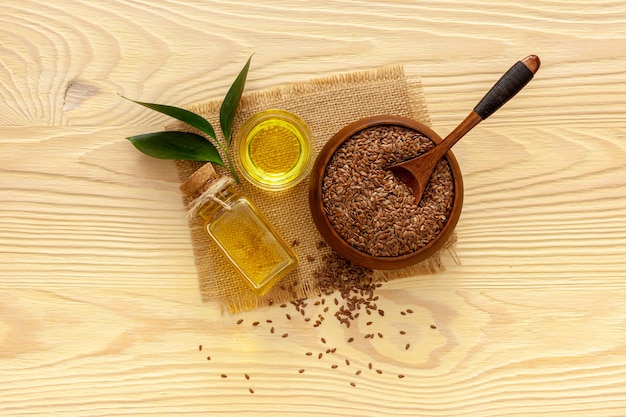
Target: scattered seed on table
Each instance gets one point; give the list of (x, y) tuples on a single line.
[(320, 356), (268, 321), (408, 310), (353, 384), (309, 353), (224, 376), (334, 366), (251, 390), (432, 326), (400, 376), (351, 340), (381, 312), (208, 358), (403, 313), (283, 306), (301, 371), (407, 346), (402, 332), (256, 323), (358, 372), (348, 362), (272, 330), (323, 340), (285, 335), (378, 371), (380, 335), (288, 316), (200, 348), (370, 365), (239, 321), (369, 323)]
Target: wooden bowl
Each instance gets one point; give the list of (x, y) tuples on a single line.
[(329, 233)]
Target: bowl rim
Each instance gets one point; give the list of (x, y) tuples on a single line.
[(328, 232)]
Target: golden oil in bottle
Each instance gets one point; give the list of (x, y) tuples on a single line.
[(273, 149), (241, 231)]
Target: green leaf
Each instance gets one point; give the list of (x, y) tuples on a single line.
[(183, 115), (177, 145), (231, 102)]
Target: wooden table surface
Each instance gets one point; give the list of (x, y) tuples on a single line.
[(100, 312)]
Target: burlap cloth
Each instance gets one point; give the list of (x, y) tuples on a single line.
[(326, 105)]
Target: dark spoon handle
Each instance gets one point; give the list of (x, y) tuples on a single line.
[(508, 86)]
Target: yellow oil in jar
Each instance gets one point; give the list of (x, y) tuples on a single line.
[(250, 243), (242, 233), (274, 149)]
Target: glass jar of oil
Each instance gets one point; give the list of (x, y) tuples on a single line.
[(242, 233), (274, 149)]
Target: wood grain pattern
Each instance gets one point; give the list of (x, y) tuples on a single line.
[(99, 308)]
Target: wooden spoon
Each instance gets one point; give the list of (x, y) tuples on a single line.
[(416, 172)]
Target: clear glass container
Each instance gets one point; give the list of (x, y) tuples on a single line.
[(274, 149), (246, 237)]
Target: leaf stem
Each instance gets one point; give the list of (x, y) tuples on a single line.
[(231, 168)]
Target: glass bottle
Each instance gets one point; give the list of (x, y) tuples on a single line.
[(240, 230)]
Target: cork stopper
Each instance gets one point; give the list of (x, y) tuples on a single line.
[(199, 181)]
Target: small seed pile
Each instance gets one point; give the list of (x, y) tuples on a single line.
[(369, 207), (347, 293)]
